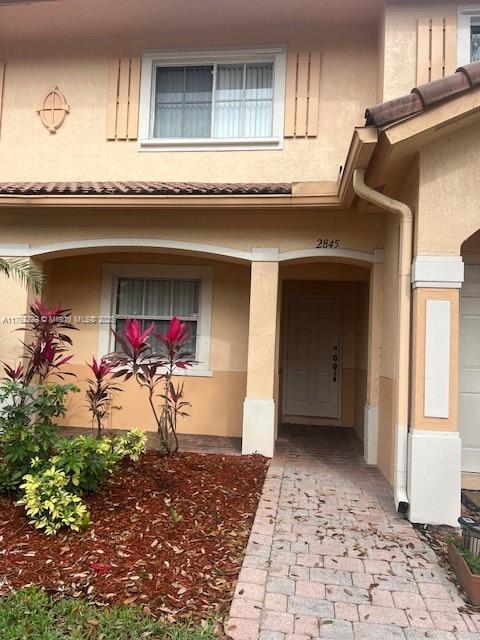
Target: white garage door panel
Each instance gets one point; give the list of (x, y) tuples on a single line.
[(469, 370)]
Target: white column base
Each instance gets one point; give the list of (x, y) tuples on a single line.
[(370, 434), (258, 427), (434, 477)]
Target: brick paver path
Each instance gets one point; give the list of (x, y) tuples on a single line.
[(328, 556)]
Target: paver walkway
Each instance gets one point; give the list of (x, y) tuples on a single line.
[(328, 556)]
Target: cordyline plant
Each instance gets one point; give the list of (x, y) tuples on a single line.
[(100, 391), (45, 353), (154, 370), (29, 403)]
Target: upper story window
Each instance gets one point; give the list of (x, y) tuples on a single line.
[(468, 41), (217, 99)]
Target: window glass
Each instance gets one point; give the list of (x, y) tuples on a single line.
[(183, 102), (221, 101), (157, 300), (475, 42)]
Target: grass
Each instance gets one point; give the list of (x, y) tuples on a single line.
[(30, 614)]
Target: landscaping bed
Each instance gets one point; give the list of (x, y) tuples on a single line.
[(166, 533)]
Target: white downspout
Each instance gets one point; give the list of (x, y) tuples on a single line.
[(402, 363)]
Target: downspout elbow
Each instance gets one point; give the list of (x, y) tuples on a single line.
[(380, 199)]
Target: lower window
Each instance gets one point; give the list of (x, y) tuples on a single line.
[(155, 294), (157, 301)]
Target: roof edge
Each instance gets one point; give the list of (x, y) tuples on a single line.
[(422, 97)]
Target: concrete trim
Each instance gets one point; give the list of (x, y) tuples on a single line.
[(434, 470), (446, 272), (266, 254), (258, 426), (370, 444)]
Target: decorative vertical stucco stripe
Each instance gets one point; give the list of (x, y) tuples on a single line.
[(302, 94), (123, 89), (437, 358), (2, 76), (436, 48)]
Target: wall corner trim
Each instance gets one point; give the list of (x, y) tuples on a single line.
[(259, 426), (434, 470), (437, 272)]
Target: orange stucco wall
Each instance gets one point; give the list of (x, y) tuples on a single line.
[(80, 151), (217, 402)]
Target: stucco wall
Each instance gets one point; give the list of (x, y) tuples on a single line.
[(79, 150), (387, 386), (448, 211), (217, 402), (400, 43), (237, 229)]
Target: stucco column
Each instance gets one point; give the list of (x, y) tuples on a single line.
[(375, 325), (434, 448), (14, 301), (259, 406)]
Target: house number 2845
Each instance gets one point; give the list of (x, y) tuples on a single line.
[(327, 243)]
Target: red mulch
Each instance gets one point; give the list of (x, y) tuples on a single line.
[(133, 552)]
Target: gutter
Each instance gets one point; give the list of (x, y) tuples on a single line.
[(261, 201), (402, 358)]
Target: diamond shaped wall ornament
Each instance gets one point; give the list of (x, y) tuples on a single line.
[(53, 110)]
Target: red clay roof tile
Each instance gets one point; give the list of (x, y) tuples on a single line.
[(142, 189), (464, 79)]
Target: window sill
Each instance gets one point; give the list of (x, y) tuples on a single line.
[(210, 144), (193, 373)]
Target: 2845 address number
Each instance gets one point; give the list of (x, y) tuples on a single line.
[(327, 243)]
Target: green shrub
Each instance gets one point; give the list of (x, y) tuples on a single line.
[(48, 503), (86, 461), (132, 445), (52, 486), (27, 429)]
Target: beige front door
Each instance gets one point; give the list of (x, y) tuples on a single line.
[(313, 357)]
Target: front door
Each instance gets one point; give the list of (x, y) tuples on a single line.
[(313, 357), (469, 373)]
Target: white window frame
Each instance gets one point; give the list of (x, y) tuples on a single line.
[(465, 14), (111, 275), (152, 59)]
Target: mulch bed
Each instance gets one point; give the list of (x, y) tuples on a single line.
[(133, 552)]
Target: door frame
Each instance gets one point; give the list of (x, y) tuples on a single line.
[(284, 353)]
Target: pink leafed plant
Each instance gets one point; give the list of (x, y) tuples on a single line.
[(100, 390), (46, 352), (155, 370)]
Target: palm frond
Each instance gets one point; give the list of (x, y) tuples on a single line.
[(23, 271)]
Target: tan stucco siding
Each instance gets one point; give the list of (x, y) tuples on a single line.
[(217, 401), (243, 230), (448, 211), (387, 385), (400, 43), (386, 433), (217, 405), (80, 151), (76, 283)]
